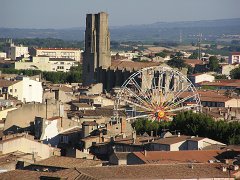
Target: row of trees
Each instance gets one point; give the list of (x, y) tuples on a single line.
[(73, 76), (190, 123)]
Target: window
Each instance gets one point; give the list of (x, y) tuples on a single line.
[(15, 90), (10, 90)]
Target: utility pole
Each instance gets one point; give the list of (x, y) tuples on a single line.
[(199, 45)]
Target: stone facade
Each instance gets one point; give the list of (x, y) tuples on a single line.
[(97, 46)]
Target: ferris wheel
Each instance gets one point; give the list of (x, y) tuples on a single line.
[(157, 93)]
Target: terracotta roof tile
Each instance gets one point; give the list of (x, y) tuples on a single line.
[(166, 157), (129, 65), (173, 171), (68, 162)]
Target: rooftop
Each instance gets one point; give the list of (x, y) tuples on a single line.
[(130, 65), (208, 95), (6, 83), (173, 157), (70, 174), (57, 49), (68, 162), (173, 171)]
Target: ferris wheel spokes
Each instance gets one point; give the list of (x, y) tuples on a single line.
[(158, 92)]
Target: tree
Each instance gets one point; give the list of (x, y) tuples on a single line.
[(213, 63), (221, 76), (190, 123), (177, 63), (235, 73), (194, 55), (161, 54)]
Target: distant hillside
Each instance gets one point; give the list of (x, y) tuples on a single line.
[(170, 31)]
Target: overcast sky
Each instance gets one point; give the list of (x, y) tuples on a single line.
[(71, 13)]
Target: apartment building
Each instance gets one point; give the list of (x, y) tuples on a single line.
[(14, 51), (69, 53), (234, 58), (45, 63)]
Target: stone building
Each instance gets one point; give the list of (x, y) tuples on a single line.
[(97, 46), (97, 64)]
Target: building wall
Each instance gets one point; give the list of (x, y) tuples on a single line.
[(23, 116), (233, 103), (192, 145), (44, 64), (16, 51), (206, 142), (60, 53), (26, 146), (201, 78), (227, 68), (97, 46), (132, 159), (159, 147), (234, 58), (179, 146), (3, 55), (3, 113), (50, 129), (58, 95)]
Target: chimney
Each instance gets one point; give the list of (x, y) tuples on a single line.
[(123, 125), (100, 137), (178, 134), (145, 152), (151, 133), (235, 167), (224, 168), (134, 135)]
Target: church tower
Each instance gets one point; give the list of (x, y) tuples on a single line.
[(97, 46)]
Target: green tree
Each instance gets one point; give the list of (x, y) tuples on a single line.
[(177, 63), (221, 76), (194, 55), (161, 54), (213, 63), (235, 73)]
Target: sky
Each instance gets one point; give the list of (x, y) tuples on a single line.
[(57, 14)]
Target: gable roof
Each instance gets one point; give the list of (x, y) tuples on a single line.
[(169, 157), (68, 162), (173, 171)]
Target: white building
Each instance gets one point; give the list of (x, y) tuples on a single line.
[(45, 63), (197, 78), (13, 51), (3, 55), (25, 143), (234, 58), (72, 53), (27, 90), (226, 68)]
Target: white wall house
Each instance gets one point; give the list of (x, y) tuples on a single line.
[(13, 52), (226, 68), (27, 90), (197, 78), (234, 58), (46, 64), (3, 55), (72, 53)]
